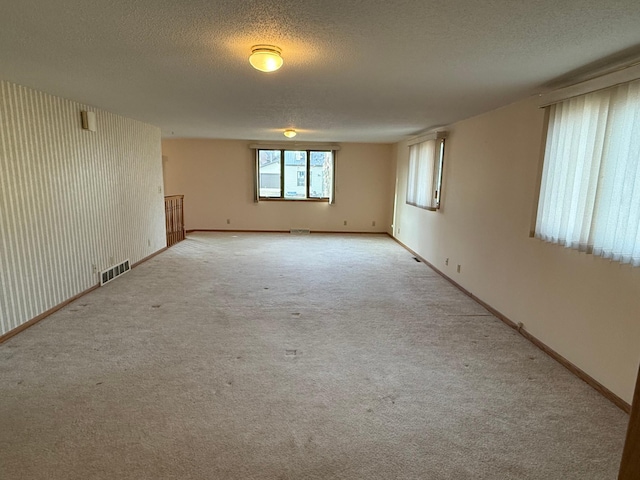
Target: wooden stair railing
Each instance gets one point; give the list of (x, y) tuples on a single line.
[(174, 218)]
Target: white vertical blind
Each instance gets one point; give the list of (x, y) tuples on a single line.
[(590, 191), (421, 182)]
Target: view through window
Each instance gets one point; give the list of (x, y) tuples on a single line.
[(295, 174)]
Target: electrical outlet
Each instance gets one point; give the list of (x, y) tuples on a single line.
[(345, 222), (373, 223), (228, 221), (458, 268), (148, 242), (446, 262)]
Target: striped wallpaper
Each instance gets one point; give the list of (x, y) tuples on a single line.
[(72, 202)]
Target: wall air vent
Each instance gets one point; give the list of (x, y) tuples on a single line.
[(112, 272)]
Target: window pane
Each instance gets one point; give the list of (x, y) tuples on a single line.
[(320, 173), (270, 162), (295, 174)]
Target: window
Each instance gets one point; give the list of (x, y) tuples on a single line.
[(295, 174), (590, 191), (425, 173)]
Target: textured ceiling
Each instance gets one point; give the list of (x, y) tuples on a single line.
[(355, 70)]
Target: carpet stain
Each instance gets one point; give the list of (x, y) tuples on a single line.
[(391, 398)]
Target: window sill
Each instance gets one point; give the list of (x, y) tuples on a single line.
[(430, 209), (272, 199)]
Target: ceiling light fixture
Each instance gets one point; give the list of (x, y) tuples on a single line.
[(290, 133), (266, 58)]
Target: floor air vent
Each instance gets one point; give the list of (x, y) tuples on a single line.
[(300, 231), (110, 273)]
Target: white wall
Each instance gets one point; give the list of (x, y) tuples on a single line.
[(584, 307), (70, 199), (216, 178)]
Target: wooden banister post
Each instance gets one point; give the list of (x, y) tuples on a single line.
[(174, 218), (630, 465)]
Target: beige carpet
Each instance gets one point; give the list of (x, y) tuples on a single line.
[(273, 356)]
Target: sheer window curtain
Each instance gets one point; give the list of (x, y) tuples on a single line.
[(590, 190), (422, 171)]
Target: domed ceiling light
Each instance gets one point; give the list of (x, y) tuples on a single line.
[(266, 58), (290, 133)]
